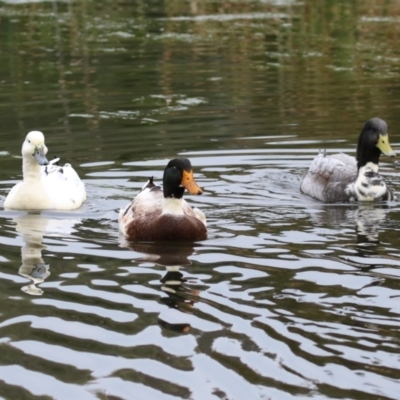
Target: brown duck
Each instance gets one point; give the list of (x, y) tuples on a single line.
[(159, 214)]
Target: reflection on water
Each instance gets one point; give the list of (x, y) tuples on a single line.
[(180, 297), (366, 218), (33, 227), (168, 254), (369, 219), (288, 298), (180, 300)]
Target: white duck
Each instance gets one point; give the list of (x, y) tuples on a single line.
[(45, 186)]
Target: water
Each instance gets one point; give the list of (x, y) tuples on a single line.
[(288, 298)]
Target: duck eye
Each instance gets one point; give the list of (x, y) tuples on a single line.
[(29, 141)]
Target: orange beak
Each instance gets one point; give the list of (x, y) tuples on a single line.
[(190, 184)]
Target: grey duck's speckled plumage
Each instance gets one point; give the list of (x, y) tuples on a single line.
[(341, 178)]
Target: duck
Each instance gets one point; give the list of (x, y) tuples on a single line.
[(342, 178), (45, 185), (161, 214)]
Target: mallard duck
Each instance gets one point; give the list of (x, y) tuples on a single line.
[(45, 186), (341, 178), (157, 214)]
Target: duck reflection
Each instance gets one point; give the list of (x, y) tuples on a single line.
[(368, 219), (33, 226), (166, 254), (179, 298)]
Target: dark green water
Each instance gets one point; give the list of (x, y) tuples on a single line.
[(288, 298)]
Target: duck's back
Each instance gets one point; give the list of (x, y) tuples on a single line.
[(144, 220), (64, 187), (329, 176)]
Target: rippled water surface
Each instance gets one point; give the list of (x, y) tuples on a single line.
[(288, 298)]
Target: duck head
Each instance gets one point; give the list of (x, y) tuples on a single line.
[(178, 176), (373, 141), (34, 147)]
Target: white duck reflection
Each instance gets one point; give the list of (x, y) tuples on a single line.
[(34, 227)]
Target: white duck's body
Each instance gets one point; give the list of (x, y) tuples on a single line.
[(44, 186)]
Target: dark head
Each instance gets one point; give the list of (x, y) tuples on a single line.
[(373, 141), (178, 175)]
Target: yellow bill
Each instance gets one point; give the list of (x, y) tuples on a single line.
[(189, 183), (384, 145)]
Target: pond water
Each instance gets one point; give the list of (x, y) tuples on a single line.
[(288, 298)]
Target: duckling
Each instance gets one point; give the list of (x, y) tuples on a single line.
[(341, 178), (45, 186), (157, 214)]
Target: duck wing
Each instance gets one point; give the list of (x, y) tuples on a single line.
[(148, 201), (193, 212), (64, 186), (329, 176)]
